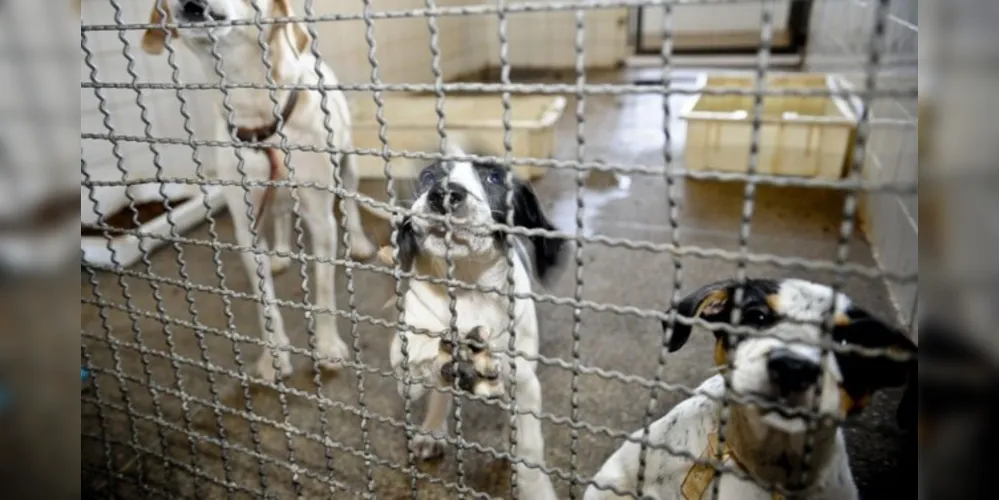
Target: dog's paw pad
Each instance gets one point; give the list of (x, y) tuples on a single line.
[(427, 447)]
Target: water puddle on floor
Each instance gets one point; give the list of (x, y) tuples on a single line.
[(599, 189)]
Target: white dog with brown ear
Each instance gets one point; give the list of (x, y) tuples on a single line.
[(474, 194), (784, 370), (236, 51)]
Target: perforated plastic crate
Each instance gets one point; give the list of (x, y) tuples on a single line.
[(800, 135), (412, 126)]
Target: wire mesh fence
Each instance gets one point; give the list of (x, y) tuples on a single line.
[(184, 342)]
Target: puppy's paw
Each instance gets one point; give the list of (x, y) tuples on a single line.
[(475, 369), (426, 447)]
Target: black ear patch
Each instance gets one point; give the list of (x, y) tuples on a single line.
[(406, 242), (713, 303), (863, 374), (527, 213)]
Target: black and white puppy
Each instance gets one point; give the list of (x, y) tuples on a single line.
[(783, 369), (474, 194)]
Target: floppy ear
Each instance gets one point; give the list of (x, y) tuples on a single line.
[(299, 35), (710, 302), (407, 244), (154, 39), (864, 375), (527, 213)]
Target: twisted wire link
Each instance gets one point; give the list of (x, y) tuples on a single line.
[(230, 113), (579, 43), (612, 89), (144, 257), (746, 331), (113, 252), (743, 257), (849, 213), (666, 52), (594, 429), (339, 162), (747, 398), (452, 297), (104, 437), (908, 188), (745, 226), (199, 173), (395, 223), (536, 6), (508, 179), (265, 58), (795, 263), (177, 464)]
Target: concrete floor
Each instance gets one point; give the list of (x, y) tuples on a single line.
[(169, 447)]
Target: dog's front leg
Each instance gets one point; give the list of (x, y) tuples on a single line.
[(428, 443), (258, 270), (532, 482)]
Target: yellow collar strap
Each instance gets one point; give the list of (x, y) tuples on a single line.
[(699, 477)]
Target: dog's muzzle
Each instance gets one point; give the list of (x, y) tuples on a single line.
[(791, 373), (198, 10), (442, 202)]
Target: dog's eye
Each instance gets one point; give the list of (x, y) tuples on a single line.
[(755, 317), (426, 178), (495, 177)]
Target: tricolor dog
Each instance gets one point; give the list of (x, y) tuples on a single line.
[(783, 369), (235, 51), (473, 194)]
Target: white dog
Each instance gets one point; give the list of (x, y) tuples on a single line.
[(253, 120), (780, 370), (474, 194)]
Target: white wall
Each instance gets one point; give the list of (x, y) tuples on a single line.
[(838, 42), (713, 19)]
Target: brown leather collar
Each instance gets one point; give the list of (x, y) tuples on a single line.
[(259, 134)]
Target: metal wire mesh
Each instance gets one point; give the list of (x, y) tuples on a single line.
[(174, 409)]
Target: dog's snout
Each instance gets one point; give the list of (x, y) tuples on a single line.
[(791, 372), (194, 9), (437, 196)]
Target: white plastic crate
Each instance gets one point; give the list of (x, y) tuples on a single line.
[(412, 126), (802, 136)]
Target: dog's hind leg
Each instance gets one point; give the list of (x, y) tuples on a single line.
[(317, 207), (533, 482), (258, 270), (281, 212), (361, 248)]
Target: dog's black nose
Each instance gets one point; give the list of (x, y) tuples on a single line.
[(791, 372), (437, 194), (194, 9)]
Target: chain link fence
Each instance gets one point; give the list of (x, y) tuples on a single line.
[(173, 406)]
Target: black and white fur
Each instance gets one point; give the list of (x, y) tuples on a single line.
[(776, 370), (477, 196), (292, 62)]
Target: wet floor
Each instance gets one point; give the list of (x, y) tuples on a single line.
[(178, 418)]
